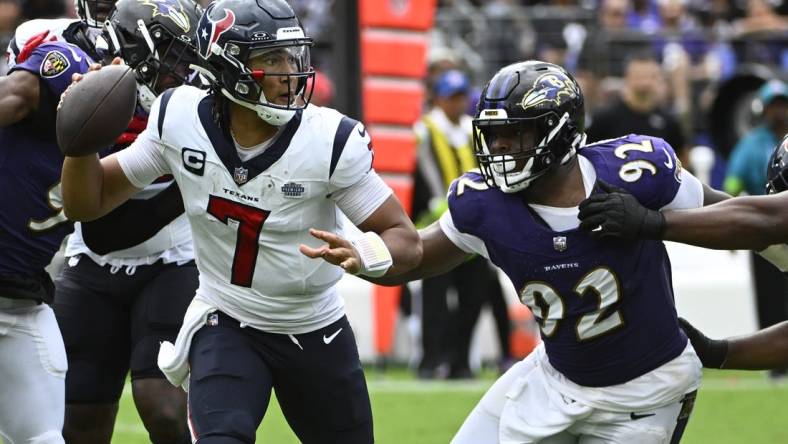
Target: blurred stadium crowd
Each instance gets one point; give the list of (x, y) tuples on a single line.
[(713, 54)]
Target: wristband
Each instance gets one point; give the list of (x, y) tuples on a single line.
[(375, 256)]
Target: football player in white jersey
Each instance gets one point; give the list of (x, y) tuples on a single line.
[(84, 32), (116, 305), (260, 171)]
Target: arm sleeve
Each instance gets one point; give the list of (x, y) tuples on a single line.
[(465, 242), (124, 228), (361, 199), (689, 195)]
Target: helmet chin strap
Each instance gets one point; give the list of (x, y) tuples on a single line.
[(145, 97)]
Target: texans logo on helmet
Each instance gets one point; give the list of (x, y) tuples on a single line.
[(548, 88), (210, 30), (172, 9)]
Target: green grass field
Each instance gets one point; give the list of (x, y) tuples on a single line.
[(732, 408)]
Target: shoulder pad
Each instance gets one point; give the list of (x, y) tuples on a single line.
[(646, 166)]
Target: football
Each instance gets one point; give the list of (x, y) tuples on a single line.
[(96, 110)]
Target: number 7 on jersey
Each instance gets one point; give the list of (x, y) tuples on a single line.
[(250, 224)]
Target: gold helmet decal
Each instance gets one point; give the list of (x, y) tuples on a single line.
[(549, 88)]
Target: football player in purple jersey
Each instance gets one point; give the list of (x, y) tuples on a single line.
[(43, 55), (32, 226), (614, 365), (749, 222)]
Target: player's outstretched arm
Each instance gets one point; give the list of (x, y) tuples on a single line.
[(763, 350), (440, 256), (19, 95), (750, 222), (393, 227)]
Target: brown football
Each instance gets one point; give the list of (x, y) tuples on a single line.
[(96, 110)]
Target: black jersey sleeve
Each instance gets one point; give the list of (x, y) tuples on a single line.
[(133, 222)]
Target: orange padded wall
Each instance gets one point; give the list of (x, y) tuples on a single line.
[(393, 65)]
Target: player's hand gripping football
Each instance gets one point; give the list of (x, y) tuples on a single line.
[(614, 212), (338, 251), (76, 78)]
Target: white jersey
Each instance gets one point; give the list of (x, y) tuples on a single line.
[(248, 218), (56, 28), (171, 244)]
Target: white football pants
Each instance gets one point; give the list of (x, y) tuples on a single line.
[(520, 408), (32, 374)]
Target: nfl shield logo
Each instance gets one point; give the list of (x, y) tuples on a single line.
[(559, 243), (213, 320), (240, 175)]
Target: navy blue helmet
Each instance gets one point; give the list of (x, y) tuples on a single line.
[(157, 39), (232, 32), (535, 98), (777, 171)]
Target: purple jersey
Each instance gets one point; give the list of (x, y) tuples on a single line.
[(32, 224), (605, 307)]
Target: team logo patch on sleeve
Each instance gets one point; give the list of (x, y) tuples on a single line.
[(54, 64)]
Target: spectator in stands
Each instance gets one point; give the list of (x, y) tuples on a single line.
[(439, 60), (748, 160), (760, 17), (509, 35), (600, 63), (639, 109), (444, 153), (747, 173), (644, 16)]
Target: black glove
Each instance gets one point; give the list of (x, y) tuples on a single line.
[(616, 213), (712, 352)]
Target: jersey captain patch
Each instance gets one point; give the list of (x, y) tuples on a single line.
[(54, 64)]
